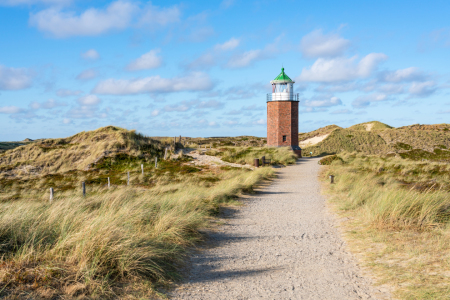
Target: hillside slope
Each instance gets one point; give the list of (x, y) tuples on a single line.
[(414, 141), (77, 152), (340, 140)]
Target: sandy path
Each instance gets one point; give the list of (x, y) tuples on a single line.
[(281, 245)]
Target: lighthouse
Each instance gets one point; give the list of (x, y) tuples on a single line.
[(282, 114)]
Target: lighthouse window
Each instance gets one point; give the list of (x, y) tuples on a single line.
[(284, 138)]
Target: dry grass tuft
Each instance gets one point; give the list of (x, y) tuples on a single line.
[(399, 220), (111, 238)]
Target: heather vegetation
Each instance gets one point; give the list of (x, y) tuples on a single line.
[(126, 240), (399, 219)]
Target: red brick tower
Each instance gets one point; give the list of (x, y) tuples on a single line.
[(282, 114)]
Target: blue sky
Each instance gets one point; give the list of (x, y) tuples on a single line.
[(202, 68)]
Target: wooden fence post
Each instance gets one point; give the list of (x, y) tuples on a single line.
[(256, 162), (51, 195), (142, 169), (165, 154), (331, 178), (83, 185), (128, 178), (156, 162), (109, 183)]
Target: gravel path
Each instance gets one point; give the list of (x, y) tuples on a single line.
[(282, 244)]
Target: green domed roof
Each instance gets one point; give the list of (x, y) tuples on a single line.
[(282, 78)]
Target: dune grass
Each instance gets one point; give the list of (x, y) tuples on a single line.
[(77, 152), (247, 155), (117, 242), (399, 220), (413, 142), (113, 239)]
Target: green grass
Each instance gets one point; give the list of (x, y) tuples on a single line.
[(247, 155), (374, 125), (346, 140)]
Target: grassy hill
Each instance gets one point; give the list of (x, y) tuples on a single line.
[(369, 126), (78, 152), (319, 132), (414, 141), (116, 242)]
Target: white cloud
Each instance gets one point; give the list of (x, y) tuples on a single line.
[(177, 107), (194, 104), (228, 45), (260, 122), (214, 55), (408, 74), (366, 100), (67, 93), (87, 74), (342, 69), (341, 111), (91, 54), (196, 81), (231, 123), (245, 59), (83, 112), (200, 34), (149, 60), (160, 16), (333, 101), (391, 88), (253, 107), (88, 100), (234, 112), (248, 58), (316, 44), (338, 88), (10, 110), (14, 78), (117, 16), (67, 121), (49, 104), (313, 109), (210, 104), (155, 112), (422, 89)]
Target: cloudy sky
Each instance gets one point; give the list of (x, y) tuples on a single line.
[(202, 68)]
